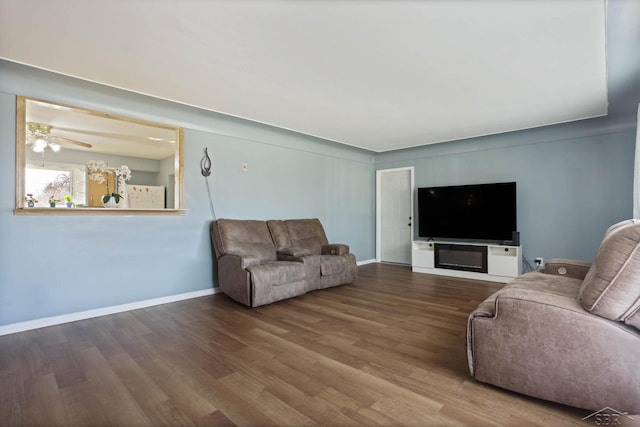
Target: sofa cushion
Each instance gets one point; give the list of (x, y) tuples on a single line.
[(616, 227), (272, 282), (306, 234), (246, 237), (279, 234), (611, 288), (330, 265), (277, 273)]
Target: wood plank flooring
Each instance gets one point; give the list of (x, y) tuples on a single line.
[(388, 350)]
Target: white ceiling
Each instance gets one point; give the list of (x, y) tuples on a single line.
[(379, 75)]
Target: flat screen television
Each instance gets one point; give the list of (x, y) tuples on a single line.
[(480, 212)]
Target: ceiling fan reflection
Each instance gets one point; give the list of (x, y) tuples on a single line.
[(39, 138)]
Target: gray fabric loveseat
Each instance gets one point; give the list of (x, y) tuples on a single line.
[(568, 334), (260, 262)]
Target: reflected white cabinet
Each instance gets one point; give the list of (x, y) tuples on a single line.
[(146, 196)]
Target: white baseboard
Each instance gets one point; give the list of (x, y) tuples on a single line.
[(104, 311), (81, 315)]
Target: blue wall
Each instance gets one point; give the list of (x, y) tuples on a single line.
[(573, 180), (53, 265)]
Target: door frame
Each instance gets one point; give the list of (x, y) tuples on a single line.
[(379, 174)]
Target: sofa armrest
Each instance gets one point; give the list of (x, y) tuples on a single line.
[(243, 260), (311, 265), (233, 278), (335, 249), (547, 346), (567, 267), (529, 299), (292, 252), (519, 309), (532, 303)]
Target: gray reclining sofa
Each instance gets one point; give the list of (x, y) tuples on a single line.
[(260, 262), (570, 333)]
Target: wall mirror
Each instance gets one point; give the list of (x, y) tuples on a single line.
[(74, 160)]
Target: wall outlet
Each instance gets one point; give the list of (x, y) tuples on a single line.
[(244, 166), (539, 261)]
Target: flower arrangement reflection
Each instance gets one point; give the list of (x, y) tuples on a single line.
[(31, 201), (98, 171)]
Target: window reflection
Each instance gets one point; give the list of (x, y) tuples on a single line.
[(46, 184)]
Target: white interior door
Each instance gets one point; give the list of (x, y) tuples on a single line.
[(395, 212)]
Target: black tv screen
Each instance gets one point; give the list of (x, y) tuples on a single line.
[(484, 212)]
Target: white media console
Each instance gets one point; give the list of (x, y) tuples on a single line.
[(495, 263)]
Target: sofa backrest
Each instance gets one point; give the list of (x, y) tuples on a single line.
[(279, 234), (611, 288), (243, 237), (306, 234)]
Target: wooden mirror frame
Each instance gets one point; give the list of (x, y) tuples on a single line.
[(21, 163)]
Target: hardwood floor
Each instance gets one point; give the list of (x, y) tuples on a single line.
[(387, 350)]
